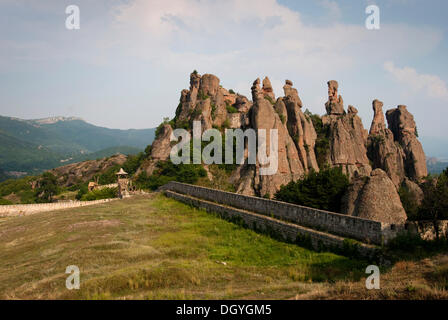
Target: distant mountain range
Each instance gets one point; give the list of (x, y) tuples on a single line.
[(31, 146)]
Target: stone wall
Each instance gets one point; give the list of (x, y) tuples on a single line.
[(281, 229), (347, 226), (27, 209)]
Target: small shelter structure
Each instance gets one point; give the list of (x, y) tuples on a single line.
[(123, 184)]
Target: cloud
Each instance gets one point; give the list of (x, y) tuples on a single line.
[(256, 32), (333, 8), (432, 85), (135, 51)]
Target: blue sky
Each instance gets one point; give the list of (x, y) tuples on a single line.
[(127, 64)]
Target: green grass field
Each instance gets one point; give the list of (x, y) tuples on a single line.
[(152, 247)]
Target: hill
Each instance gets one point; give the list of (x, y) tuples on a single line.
[(31, 146)]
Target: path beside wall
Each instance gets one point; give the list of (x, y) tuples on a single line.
[(282, 230)]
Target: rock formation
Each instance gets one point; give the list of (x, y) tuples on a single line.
[(347, 136), (267, 89), (394, 152), (375, 198), (335, 104), (160, 149), (396, 149), (300, 126), (402, 125), (382, 149), (263, 116), (206, 101)]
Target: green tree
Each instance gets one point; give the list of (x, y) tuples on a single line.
[(435, 201), (320, 190), (47, 188)]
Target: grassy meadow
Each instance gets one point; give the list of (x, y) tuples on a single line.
[(152, 247)]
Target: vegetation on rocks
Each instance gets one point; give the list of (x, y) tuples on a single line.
[(322, 147)]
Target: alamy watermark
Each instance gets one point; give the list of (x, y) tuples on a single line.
[(234, 140), (73, 21), (73, 280), (373, 18), (373, 281)]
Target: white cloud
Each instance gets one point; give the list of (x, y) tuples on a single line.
[(432, 85)]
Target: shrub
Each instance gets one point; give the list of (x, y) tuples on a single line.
[(107, 177), (322, 146), (409, 202), (231, 91), (213, 111), (270, 100), (282, 118), (167, 171), (133, 162), (148, 150), (83, 189), (320, 190), (4, 202), (105, 193), (202, 95), (225, 124), (231, 109)]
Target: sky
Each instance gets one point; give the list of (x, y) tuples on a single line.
[(127, 64)]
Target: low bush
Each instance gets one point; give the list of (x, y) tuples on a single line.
[(166, 171), (105, 193)]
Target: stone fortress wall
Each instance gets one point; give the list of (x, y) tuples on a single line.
[(364, 230), (27, 209)]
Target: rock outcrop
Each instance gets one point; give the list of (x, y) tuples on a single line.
[(394, 152), (375, 198), (207, 101), (401, 123), (300, 126), (267, 89), (382, 149), (263, 116), (347, 136), (160, 149), (80, 172), (396, 149), (335, 104)]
